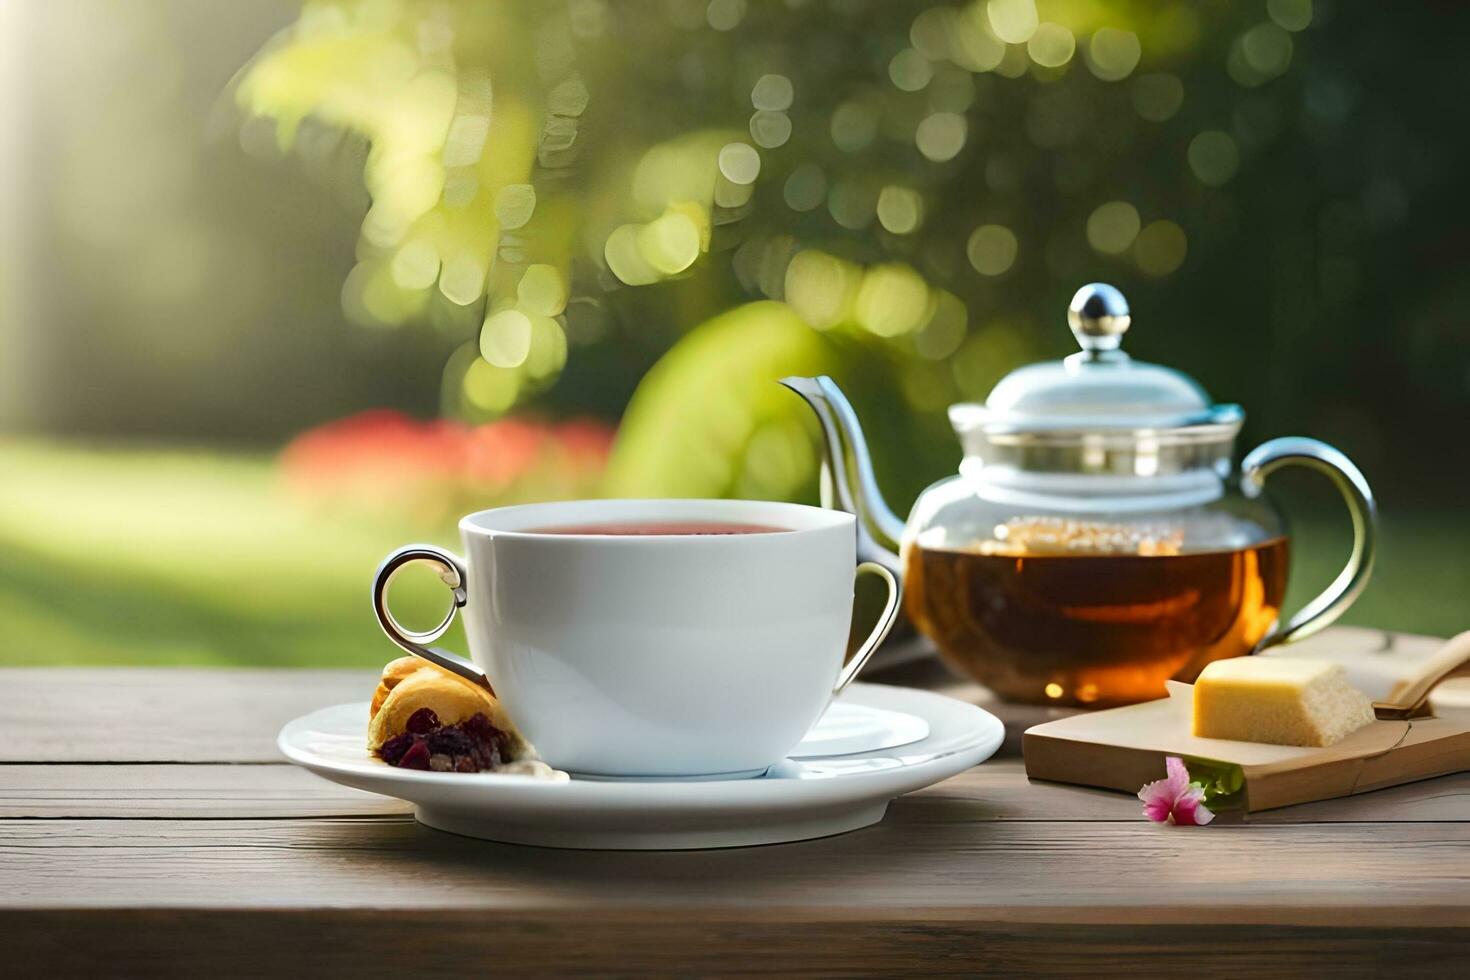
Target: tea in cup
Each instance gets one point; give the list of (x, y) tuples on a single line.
[(654, 638)]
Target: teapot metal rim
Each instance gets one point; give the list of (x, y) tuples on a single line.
[(1206, 443), (1217, 423)]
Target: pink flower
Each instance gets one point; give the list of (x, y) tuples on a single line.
[(1175, 798)]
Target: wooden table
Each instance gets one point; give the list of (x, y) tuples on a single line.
[(150, 827)]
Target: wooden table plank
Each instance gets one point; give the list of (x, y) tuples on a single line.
[(773, 941), (995, 791), (162, 714), (184, 792), (236, 864), (999, 791), (922, 858)]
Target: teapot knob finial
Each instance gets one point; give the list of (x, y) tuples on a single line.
[(1098, 316)]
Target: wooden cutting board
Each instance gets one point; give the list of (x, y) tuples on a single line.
[(1123, 748)]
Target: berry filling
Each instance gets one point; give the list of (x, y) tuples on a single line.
[(473, 745)]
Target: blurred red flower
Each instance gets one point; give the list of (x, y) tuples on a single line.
[(385, 459)]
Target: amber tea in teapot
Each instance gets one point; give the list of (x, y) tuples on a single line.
[(1076, 612), (1098, 539)]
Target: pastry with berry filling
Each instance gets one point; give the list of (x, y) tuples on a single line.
[(424, 717)]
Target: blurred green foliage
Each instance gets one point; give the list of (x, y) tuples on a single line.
[(922, 183), (707, 421), (559, 203)]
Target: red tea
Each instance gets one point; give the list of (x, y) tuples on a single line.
[(1097, 628), (645, 528)]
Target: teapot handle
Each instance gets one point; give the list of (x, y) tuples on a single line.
[(1334, 601)]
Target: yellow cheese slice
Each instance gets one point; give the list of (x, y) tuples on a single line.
[(1278, 700)]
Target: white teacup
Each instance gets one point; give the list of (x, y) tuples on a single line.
[(653, 654)]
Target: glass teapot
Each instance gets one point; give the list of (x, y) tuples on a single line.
[(1092, 545)]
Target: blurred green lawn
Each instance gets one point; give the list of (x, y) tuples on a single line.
[(124, 556), (132, 557)]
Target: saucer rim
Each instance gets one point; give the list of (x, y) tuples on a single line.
[(987, 736), (801, 804)]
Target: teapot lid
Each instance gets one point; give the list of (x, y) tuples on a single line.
[(1098, 390)]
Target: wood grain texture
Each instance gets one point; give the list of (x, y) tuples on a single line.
[(782, 942), (928, 855), (999, 791), (158, 833), (996, 791), (184, 792), (162, 714)]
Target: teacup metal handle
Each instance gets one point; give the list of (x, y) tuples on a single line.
[(454, 574), (1334, 601), (880, 631)]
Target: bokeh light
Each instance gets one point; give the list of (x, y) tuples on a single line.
[(983, 358), (992, 250), (542, 291), (852, 202), (806, 188), (910, 71), (1013, 21), (725, 15), (772, 93), (941, 136), (1267, 48), (891, 301), (505, 339), (900, 209), (770, 129), (415, 266), (821, 288), (1112, 227), (933, 31), (1213, 157), (514, 205), (548, 351), (1259, 55), (669, 244), (854, 126), (1051, 45), (945, 331), (626, 259), (739, 163), (462, 279), (973, 45), (1160, 248), (1294, 15), (489, 388), (1112, 54)]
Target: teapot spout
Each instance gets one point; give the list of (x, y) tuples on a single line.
[(843, 434)]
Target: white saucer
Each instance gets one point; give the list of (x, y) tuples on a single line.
[(845, 728), (849, 726), (813, 796)]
